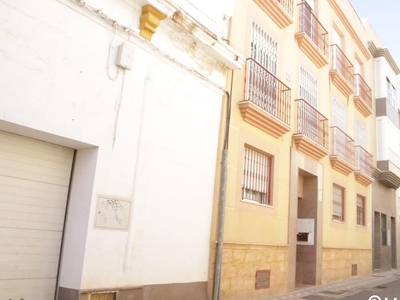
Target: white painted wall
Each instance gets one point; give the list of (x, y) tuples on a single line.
[(387, 134), (212, 14), (54, 57), (387, 140), (383, 70)]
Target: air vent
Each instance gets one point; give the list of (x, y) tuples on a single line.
[(103, 296), (263, 279), (353, 269)]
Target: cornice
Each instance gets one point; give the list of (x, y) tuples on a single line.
[(216, 47), (384, 52)]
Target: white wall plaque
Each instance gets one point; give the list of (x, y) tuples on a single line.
[(112, 213)]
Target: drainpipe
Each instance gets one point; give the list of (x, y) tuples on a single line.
[(222, 199)]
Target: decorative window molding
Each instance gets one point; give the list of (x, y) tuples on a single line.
[(338, 203), (256, 180)]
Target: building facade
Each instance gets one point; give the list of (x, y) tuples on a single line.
[(109, 127), (387, 173), (301, 149)]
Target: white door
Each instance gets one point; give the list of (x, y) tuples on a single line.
[(339, 115), (357, 70), (337, 55), (310, 4), (339, 138), (309, 123), (34, 183), (357, 67), (336, 38)]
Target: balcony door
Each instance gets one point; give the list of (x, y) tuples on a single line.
[(338, 59), (361, 157), (357, 70), (360, 134), (264, 48), (309, 92), (308, 22), (339, 121), (264, 51)]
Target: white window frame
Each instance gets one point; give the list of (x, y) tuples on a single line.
[(338, 203), (391, 93), (308, 87), (361, 213), (361, 134), (357, 66), (336, 38), (339, 114), (256, 177)]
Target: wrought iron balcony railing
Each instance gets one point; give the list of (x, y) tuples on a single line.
[(287, 6), (266, 91), (363, 161), (280, 11), (363, 92), (342, 145), (312, 124), (342, 64), (310, 25)]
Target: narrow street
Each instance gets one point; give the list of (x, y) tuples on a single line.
[(381, 286), (388, 291)]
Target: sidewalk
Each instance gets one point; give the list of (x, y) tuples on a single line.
[(341, 289)]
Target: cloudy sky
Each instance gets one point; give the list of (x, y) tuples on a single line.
[(384, 15)]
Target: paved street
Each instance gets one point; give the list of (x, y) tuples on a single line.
[(382, 286), (388, 291)]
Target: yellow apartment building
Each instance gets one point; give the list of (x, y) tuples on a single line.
[(301, 149)]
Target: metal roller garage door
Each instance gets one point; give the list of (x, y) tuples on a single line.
[(34, 182)]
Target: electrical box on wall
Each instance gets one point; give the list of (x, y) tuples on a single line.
[(305, 231), (112, 213), (125, 56)]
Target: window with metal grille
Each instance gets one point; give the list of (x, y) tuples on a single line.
[(391, 93), (256, 177), (338, 203), (309, 92), (360, 134), (308, 87), (360, 210), (264, 49), (339, 115)]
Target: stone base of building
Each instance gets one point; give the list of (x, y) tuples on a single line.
[(251, 271), (340, 264), (173, 291)]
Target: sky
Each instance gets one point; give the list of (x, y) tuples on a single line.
[(384, 16)]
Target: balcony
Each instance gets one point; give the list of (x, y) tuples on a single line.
[(312, 37), (388, 171), (342, 151), (362, 96), (267, 100), (363, 172), (312, 131), (280, 11), (342, 71)]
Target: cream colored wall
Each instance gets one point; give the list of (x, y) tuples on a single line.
[(247, 222), (255, 224), (243, 220), (346, 234)]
